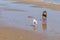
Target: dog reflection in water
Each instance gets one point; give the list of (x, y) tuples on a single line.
[(34, 28), (44, 19), (34, 24), (44, 25)]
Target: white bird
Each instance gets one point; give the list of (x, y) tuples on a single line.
[(34, 22)]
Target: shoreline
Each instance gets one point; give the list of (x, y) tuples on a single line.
[(42, 5), (19, 34)]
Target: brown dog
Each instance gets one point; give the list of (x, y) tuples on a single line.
[(44, 14)]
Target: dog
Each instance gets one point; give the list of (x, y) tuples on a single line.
[(44, 14), (34, 22)]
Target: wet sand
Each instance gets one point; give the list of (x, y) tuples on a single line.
[(19, 34), (11, 9), (50, 5), (30, 17)]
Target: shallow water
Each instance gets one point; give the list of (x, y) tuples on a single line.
[(16, 15)]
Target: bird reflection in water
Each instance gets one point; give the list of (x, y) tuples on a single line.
[(44, 19)]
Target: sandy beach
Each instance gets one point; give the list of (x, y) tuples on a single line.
[(20, 14), (19, 34)]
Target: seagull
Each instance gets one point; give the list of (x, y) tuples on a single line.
[(34, 22)]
